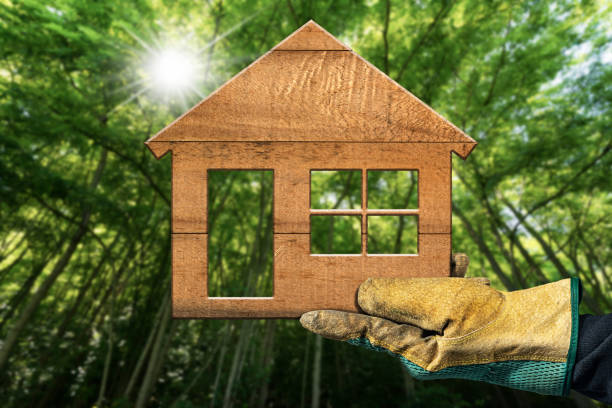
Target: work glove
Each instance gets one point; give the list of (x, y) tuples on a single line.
[(462, 328)]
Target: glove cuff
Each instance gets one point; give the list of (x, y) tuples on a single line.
[(573, 346)]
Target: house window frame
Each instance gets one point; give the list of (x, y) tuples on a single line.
[(364, 211), (272, 254)]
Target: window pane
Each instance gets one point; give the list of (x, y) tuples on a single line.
[(240, 234), (335, 234), (335, 189), (392, 234), (393, 189)]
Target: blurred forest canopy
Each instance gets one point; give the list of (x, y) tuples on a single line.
[(85, 208)]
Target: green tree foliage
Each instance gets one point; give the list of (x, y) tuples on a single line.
[(85, 209), (240, 233)]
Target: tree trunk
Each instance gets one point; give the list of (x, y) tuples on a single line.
[(149, 377), (484, 249), (109, 356), (15, 261), (309, 338), (145, 351), (72, 311), (316, 372), (222, 353), (13, 306), (535, 268), (234, 375), (267, 362), (43, 290), (204, 367), (550, 253)]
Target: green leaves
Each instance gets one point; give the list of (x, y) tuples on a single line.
[(240, 244), (530, 81)]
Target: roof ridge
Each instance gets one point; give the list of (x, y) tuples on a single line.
[(310, 37)]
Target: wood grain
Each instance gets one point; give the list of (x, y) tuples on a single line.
[(311, 37), (159, 149), (435, 193), (302, 281), (312, 96), (189, 278), (292, 163), (189, 195)]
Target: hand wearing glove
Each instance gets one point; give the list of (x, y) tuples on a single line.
[(462, 328)]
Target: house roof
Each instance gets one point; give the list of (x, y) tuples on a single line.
[(311, 87)]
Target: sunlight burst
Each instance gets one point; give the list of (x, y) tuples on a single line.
[(175, 68), (172, 70)]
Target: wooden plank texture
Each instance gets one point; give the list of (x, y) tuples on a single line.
[(292, 163), (189, 200), (189, 279), (311, 37), (435, 193), (302, 281), (312, 96)]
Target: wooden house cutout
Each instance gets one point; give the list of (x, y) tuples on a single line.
[(309, 103)]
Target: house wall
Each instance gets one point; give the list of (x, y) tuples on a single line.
[(302, 281)]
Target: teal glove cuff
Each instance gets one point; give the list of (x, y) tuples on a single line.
[(571, 353)]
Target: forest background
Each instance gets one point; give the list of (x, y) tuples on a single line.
[(85, 208)]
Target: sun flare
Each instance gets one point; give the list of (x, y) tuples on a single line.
[(172, 70)]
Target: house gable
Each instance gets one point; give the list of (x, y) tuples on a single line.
[(310, 37), (313, 88)]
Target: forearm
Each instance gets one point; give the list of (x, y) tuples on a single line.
[(592, 374)]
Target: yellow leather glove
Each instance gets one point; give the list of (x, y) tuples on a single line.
[(462, 328)]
